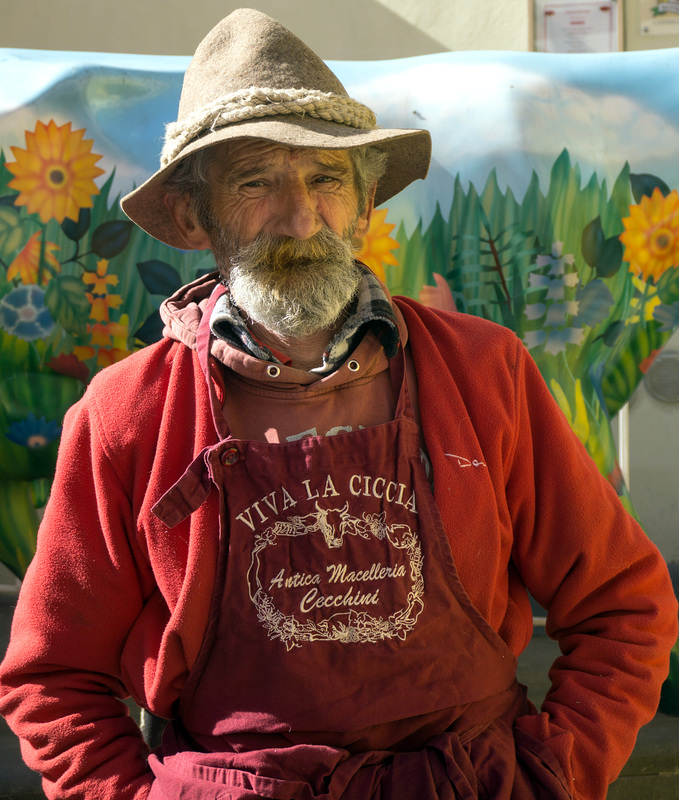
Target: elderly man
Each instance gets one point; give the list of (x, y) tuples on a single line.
[(304, 525)]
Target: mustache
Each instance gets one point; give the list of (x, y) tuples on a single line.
[(281, 253)]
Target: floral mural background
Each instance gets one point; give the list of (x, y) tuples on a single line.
[(552, 207)]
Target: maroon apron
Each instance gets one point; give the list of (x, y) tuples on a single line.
[(342, 658)]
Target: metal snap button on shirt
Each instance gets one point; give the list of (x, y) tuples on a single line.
[(273, 371), (353, 365), (230, 456)]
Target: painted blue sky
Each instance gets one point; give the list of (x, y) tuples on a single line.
[(514, 112)]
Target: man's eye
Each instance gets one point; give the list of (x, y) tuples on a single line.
[(257, 184)]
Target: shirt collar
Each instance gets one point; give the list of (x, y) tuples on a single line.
[(370, 310)]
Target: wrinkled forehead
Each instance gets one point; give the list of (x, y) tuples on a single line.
[(248, 155)]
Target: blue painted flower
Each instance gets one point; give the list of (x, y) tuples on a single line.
[(23, 313), (552, 310), (33, 432), (555, 340)]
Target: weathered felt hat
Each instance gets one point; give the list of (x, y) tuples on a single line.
[(252, 78)]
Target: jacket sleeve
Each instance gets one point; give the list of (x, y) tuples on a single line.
[(60, 682), (610, 602)]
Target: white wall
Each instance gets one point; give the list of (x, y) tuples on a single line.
[(336, 29)]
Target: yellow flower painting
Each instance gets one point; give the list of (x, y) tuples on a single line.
[(651, 235), (55, 174), (26, 265), (100, 280), (377, 246)]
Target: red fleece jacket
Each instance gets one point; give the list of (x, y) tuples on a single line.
[(114, 603)]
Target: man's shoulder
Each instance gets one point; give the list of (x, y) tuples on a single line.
[(482, 359), (152, 404), (135, 360), (137, 389), (454, 328)]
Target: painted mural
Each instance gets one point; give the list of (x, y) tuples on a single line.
[(552, 207)]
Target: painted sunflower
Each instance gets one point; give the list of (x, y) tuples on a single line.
[(55, 174), (651, 235), (376, 248)]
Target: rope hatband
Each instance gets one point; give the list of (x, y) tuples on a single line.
[(255, 103)]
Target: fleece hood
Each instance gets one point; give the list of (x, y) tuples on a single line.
[(182, 312)]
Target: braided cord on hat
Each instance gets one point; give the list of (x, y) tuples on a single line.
[(255, 103)]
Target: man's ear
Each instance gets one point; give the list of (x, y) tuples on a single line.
[(179, 208), (363, 221)]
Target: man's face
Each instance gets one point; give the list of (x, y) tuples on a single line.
[(281, 229), (259, 187)]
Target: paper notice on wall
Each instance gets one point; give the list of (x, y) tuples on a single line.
[(659, 18), (580, 27)]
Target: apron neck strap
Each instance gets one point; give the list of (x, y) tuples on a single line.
[(399, 384)]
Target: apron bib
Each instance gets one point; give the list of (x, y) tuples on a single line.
[(343, 657)]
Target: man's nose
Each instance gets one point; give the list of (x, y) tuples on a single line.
[(297, 214)]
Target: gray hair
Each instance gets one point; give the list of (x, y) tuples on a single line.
[(370, 164), (191, 177)]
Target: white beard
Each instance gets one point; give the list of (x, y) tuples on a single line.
[(294, 288)]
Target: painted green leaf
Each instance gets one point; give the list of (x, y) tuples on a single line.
[(668, 286), (18, 526), (159, 277), (611, 258), (11, 231), (40, 491), (593, 240), (152, 329), (75, 230), (601, 253), (66, 299), (613, 331), (643, 185), (111, 237), (622, 377), (594, 303)]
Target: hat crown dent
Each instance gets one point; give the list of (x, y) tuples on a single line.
[(248, 49), (252, 78)]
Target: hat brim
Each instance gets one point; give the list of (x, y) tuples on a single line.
[(408, 152)]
